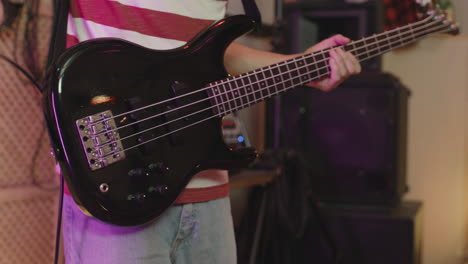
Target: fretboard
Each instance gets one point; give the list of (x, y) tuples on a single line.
[(237, 92)]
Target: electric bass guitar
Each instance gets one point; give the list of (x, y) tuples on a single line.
[(130, 126)]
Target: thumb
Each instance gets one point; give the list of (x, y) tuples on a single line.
[(330, 42)]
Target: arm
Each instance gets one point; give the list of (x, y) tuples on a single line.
[(239, 59)]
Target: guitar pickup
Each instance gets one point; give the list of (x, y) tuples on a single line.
[(100, 140)]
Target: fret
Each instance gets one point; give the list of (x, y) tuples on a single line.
[(350, 47), (213, 94), (279, 81), (366, 46), (232, 97), (393, 38), (390, 41), (229, 97), (237, 96), (287, 75), (360, 50), (287, 83), (384, 44), (294, 69), (245, 98), (239, 92), (225, 106), (258, 90), (242, 81), (322, 63), (296, 80), (311, 67), (249, 96), (221, 100), (412, 31), (398, 36), (262, 84), (255, 87), (302, 70), (283, 69), (406, 36), (297, 76), (270, 80), (374, 48), (421, 31)]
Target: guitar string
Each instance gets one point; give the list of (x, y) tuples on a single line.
[(248, 74), (306, 56), (210, 117), (238, 89), (295, 60), (247, 94)]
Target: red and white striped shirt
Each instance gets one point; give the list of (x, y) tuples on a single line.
[(156, 24)]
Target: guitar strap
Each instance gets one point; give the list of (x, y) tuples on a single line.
[(251, 9), (59, 30), (59, 26)]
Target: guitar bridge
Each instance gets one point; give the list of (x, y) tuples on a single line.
[(100, 140)]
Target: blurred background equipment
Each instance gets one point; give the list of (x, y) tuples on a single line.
[(354, 142), (234, 132), (367, 236), (354, 137)]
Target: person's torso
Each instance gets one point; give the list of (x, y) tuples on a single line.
[(161, 24), (156, 24)]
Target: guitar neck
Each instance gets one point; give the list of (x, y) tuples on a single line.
[(237, 92)]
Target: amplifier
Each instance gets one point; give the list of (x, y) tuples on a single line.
[(354, 137), (370, 235)]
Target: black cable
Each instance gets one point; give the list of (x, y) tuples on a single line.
[(290, 188), (56, 47), (22, 70), (36, 151), (59, 30), (25, 37), (30, 50), (291, 209), (35, 157), (336, 254)]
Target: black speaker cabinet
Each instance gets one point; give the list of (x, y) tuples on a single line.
[(353, 138), (370, 236)]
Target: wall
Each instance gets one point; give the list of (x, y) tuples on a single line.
[(435, 70), (437, 143), (461, 11)]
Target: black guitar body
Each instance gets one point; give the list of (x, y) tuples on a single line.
[(161, 143)]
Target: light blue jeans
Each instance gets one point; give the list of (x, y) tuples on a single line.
[(188, 233)]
